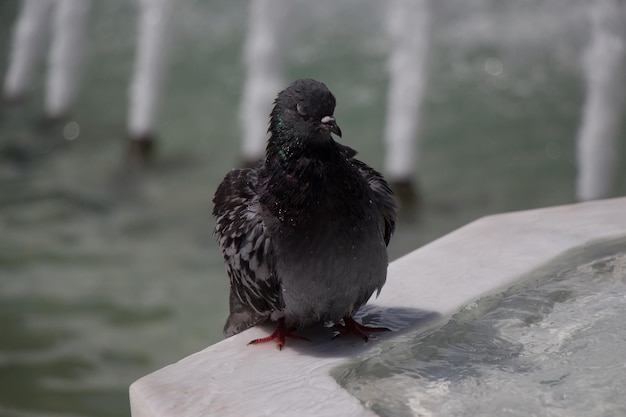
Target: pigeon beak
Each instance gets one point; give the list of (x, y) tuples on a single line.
[(329, 123)]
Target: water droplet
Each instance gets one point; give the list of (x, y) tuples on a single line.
[(71, 130), (493, 66)]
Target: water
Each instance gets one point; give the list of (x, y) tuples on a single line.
[(104, 278), (549, 346)]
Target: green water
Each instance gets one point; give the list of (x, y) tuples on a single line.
[(103, 280)]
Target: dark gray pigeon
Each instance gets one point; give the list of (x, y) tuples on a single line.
[(304, 234)]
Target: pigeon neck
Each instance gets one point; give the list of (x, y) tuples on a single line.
[(296, 164), (285, 148), (289, 140)]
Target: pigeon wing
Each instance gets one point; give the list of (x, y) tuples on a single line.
[(247, 249), (382, 197)]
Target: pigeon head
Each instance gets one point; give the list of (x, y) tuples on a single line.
[(302, 116)]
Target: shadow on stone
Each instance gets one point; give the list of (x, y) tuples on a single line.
[(322, 344)]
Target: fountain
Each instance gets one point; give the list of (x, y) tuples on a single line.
[(98, 293), (604, 64), (67, 19), (425, 286)]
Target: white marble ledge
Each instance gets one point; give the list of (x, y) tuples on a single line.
[(231, 378)]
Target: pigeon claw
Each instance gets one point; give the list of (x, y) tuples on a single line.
[(352, 326), (280, 334)]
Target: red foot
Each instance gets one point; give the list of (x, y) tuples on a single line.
[(281, 333), (351, 326)]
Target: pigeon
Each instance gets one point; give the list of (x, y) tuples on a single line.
[(304, 234)]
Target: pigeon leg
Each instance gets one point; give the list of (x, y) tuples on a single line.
[(352, 326), (281, 333)]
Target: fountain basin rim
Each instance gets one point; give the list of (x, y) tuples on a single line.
[(231, 378)]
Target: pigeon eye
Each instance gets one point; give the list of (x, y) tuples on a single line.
[(300, 110)]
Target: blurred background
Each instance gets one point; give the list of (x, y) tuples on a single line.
[(108, 266)]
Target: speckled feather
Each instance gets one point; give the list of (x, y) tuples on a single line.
[(303, 234)]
